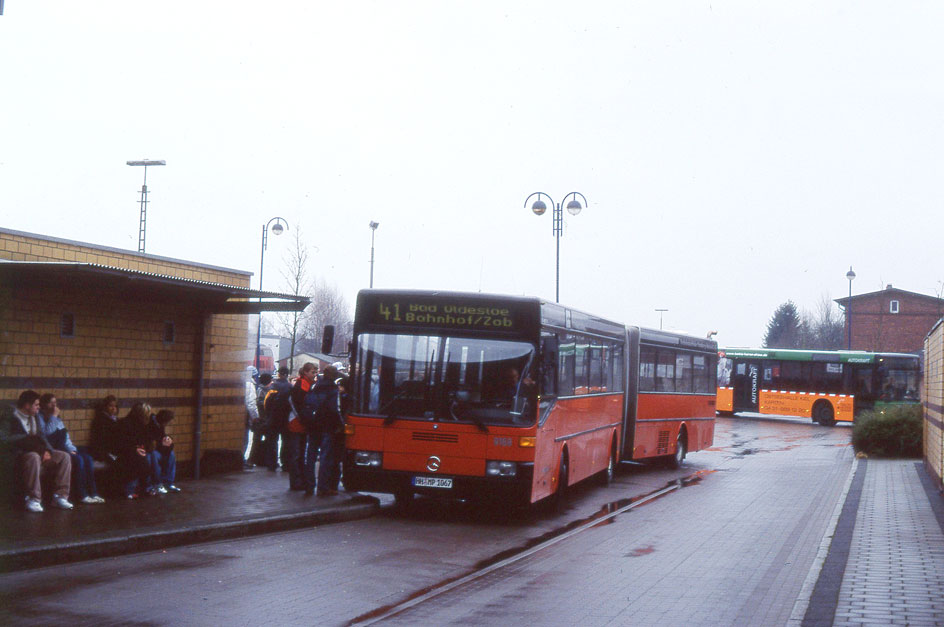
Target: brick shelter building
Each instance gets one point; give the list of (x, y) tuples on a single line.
[(84, 321), (890, 320)]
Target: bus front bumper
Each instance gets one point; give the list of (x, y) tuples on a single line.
[(366, 479)]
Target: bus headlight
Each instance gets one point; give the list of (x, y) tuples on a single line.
[(500, 469), (371, 459)]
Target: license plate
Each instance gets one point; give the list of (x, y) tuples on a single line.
[(432, 482)]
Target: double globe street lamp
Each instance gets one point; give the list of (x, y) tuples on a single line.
[(277, 229), (539, 207)]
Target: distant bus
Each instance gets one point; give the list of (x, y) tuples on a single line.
[(827, 386), (474, 395)]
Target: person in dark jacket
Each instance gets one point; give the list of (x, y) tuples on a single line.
[(134, 444), (277, 408), (103, 440), (295, 435), (322, 411), (26, 448), (162, 459)]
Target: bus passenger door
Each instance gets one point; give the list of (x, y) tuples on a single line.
[(746, 383), (546, 451)]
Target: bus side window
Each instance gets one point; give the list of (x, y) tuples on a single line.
[(647, 369), (566, 355), (665, 371), (548, 365)]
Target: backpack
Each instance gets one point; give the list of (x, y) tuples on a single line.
[(320, 408)]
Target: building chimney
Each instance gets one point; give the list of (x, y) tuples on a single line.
[(888, 287)]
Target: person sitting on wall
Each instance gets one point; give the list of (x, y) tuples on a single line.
[(22, 442), (103, 441), (162, 460), (133, 448), (84, 489)]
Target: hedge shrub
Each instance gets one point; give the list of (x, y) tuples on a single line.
[(896, 433)]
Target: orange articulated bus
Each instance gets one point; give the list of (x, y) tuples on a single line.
[(826, 386), (482, 396)]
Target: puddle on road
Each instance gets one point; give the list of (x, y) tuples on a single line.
[(606, 512), (643, 550)]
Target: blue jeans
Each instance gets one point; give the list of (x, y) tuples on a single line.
[(163, 467), (315, 437), (293, 459), (329, 470), (83, 475)]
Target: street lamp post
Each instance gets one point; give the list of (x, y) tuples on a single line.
[(573, 208), (142, 221), (373, 231), (849, 275), (661, 311), (277, 229)]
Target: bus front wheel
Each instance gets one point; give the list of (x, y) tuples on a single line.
[(823, 414)]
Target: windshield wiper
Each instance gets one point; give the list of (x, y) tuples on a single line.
[(475, 419)]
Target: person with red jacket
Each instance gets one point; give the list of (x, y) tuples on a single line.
[(295, 436)]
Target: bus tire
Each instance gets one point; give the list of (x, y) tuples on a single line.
[(823, 413), (606, 476), (681, 450), (560, 496)]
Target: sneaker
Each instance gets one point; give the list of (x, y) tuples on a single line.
[(98, 499), (61, 502), (171, 488), (132, 496), (89, 500), (33, 505), (161, 489)]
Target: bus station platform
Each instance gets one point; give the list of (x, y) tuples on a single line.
[(883, 564), (218, 507)]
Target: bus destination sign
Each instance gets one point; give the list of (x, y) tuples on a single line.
[(447, 315)]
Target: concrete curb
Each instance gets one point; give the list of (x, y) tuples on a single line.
[(357, 507)]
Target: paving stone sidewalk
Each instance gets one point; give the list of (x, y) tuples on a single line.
[(894, 572), (214, 508)]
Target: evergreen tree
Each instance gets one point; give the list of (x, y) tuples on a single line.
[(786, 329)]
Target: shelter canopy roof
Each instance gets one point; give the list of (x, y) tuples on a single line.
[(216, 298)]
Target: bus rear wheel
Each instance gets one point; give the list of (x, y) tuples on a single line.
[(823, 414), (606, 477), (681, 449)]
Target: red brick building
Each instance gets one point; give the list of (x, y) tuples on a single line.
[(891, 320)]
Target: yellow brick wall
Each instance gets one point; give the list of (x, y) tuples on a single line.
[(118, 346), (933, 399)]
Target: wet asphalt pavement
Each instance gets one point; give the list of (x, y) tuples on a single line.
[(730, 541)]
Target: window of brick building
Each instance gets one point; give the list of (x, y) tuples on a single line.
[(67, 325), (169, 333), (893, 306)]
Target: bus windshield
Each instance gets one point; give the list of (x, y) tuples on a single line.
[(898, 384), (435, 377)]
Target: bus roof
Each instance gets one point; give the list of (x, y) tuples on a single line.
[(788, 354)]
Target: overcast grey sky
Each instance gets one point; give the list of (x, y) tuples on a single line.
[(734, 154)]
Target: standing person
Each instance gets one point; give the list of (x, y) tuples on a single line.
[(32, 455), (277, 406), (260, 425), (162, 459), (133, 448), (296, 432), (252, 410), (103, 442), (322, 410), (83, 489)]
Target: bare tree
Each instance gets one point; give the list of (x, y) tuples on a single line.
[(328, 306), (825, 325), (295, 277)]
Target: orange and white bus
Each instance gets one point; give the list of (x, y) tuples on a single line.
[(474, 395), (826, 386)]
